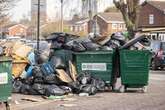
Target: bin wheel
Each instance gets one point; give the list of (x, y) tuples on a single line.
[(125, 88), (7, 106), (122, 89), (113, 87), (144, 89)]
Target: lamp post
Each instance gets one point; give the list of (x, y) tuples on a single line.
[(38, 26), (62, 1)]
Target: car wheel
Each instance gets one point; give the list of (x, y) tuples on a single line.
[(162, 67), (153, 65)]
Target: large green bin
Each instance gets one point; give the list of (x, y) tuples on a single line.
[(5, 79), (134, 68), (98, 63), (65, 55)]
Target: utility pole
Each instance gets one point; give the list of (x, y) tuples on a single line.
[(96, 10), (90, 16), (62, 23), (38, 26)]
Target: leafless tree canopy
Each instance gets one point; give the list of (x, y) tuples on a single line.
[(5, 6)]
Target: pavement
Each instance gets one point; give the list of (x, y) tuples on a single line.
[(134, 99)]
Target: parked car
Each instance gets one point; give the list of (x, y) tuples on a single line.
[(158, 56), (15, 38)]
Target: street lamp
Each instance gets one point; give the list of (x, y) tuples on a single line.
[(38, 26), (62, 1)]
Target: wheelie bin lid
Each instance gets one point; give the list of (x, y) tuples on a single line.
[(5, 59)]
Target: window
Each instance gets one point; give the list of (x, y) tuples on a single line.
[(71, 28), (21, 30), (120, 26), (76, 28), (114, 26), (151, 19), (124, 26), (84, 27), (80, 28)]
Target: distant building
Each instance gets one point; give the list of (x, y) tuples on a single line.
[(79, 26), (108, 23), (17, 30), (43, 10), (152, 19)]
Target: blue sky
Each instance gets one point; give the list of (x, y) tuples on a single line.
[(53, 9)]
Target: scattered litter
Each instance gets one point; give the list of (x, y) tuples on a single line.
[(63, 76), (69, 99), (83, 94), (67, 105), (52, 97), (16, 102), (31, 99), (73, 71)]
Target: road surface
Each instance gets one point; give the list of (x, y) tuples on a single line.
[(154, 99)]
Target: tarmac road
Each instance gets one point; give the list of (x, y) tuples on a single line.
[(154, 99)]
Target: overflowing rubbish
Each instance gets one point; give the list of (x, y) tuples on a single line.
[(142, 40), (96, 42), (47, 73), (41, 84)]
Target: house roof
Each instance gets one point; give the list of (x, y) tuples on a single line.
[(78, 21), (158, 4), (18, 25), (111, 17)]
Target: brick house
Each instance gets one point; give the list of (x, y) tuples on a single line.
[(78, 26), (108, 23), (152, 19), (17, 30)]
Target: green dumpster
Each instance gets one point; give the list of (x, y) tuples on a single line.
[(65, 55), (5, 79), (98, 63), (134, 69)]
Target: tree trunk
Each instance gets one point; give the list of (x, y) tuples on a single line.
[(129, 10)]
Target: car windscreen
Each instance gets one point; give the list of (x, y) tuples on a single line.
[(155, 46)]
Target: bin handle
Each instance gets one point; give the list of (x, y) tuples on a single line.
[(135, 66)]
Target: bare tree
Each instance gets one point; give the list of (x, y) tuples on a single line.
[(5, 6), (129, 10), (111, 9)]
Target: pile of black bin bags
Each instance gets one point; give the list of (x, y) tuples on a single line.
[(43, 80), (49, 84), (97, 42)]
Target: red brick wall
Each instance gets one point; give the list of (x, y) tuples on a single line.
[(118, 29), (145, 11), (106, 28), (17, 31)]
